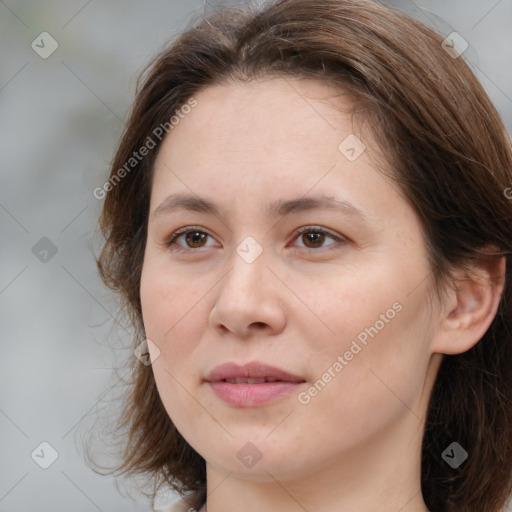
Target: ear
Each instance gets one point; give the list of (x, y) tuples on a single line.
[(470, 306)]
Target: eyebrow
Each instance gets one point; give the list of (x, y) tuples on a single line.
[(279, 208)]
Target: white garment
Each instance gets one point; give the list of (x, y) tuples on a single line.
[(182, 505)]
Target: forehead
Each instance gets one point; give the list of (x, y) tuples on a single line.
[(250, 145), (275, 102), (262, 126), (277, 92), (236, 151)]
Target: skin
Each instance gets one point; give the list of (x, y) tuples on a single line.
[(355, 445)]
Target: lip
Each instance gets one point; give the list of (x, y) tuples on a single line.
[(252, 395)]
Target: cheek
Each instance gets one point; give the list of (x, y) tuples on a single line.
[(372, 356), (175, 308), (174, 317), (168, 301), (375, 370), (168, 305)]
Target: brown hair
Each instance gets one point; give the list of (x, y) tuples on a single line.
[(450, 155)]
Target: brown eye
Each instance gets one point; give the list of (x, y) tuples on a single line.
[(318, 239), (190, 238), (195, 239), (313, 239)]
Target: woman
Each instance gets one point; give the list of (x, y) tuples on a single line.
[(307, 219)]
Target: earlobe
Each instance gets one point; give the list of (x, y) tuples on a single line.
[(471, 306)]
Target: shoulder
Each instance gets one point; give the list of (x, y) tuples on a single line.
[(186, 504)]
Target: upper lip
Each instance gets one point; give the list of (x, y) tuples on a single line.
[(250, 370)]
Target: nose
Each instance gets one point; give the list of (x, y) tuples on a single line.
[(249, 300)]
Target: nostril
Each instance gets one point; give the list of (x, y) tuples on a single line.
[(259, 325)]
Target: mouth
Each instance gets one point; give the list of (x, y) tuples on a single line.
[(253, 384), (249, 380)]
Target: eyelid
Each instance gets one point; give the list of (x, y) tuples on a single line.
[(170, 242), (319, 229)]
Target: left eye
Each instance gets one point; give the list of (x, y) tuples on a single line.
[(314, 238)]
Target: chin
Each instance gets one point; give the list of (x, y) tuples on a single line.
[(256, 461)]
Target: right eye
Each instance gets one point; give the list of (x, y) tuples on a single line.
[(188, 238)]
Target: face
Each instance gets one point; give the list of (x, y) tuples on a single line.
[(273, 240)]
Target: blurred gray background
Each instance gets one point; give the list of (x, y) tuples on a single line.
[(61, 117)]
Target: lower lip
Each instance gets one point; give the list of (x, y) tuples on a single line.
[(252, 395)]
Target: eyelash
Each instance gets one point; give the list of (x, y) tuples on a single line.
[(171, 243)]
